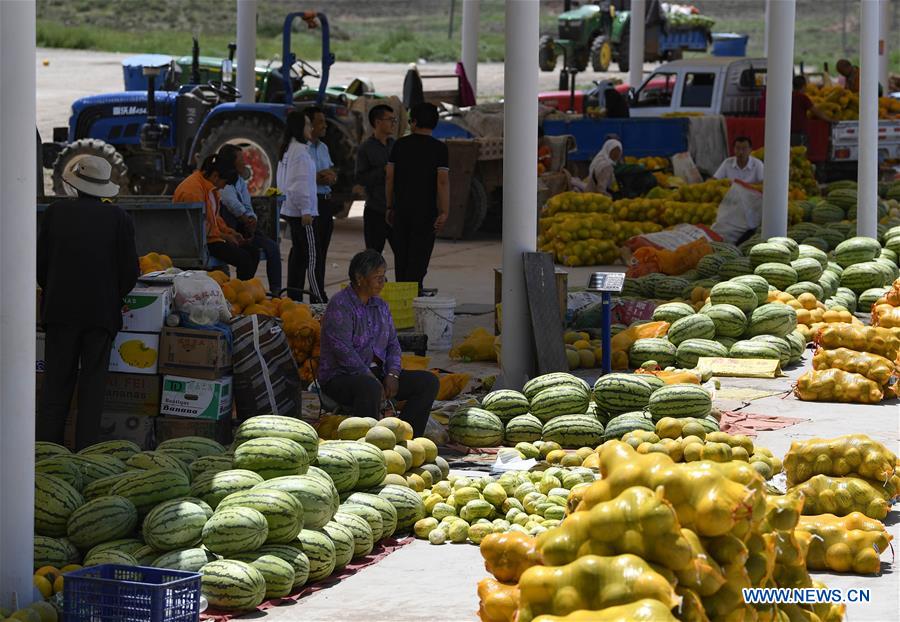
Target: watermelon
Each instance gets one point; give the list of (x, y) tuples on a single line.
[(369, 459), (46, 449), (125, 545), (789, 243), (151, 460), (370, 515), (186, 560), (343, 541), (733, 293), (408, 504), (825, 213), (56, 552), (888, 254), (670, 287), (282, 510), (772, 319), (862, 276), (709, 265), (807, 268), (622, 424), (724, 248), (690, 350), (735, 267), (292, 554), (574, 431), (778, 275), (759, 286), (341, 466), (235, 529), (728, 319), (523, 429), (889, 269), (216, 464), (505, 403), (552, 380), (213, 486), (726, 341), (271, 457), (856, 250), (121, 450), (146, 555), (54, 502), (148, 488), (618, 393), (174, 525), (100, 520), (779, 343), (754, 350), (232, 585), (680, 400), (203, 505), (815, 253), (363, 536), (278, 573), (769, 253), (806, 287), (319, 550), (651, 349), (554, 401), (103, 486), (382, 506), (671, 311), (829, 282), (95, 466), (109, 556), (699, 326), (817, 242), (476, 427), (868, 298), (317, 498), (282, 427), (198, 445)]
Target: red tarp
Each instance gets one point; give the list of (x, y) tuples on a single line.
[(755, 129)]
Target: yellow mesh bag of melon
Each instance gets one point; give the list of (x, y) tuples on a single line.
[(704, 576), (872, 366), (882, 341), (836, 385), (885, 316), (851, 454), (761, 559), (691, 608), (783, 511), (645, 610), (843, 495), (590, 583), (638, 521), (835, 546)]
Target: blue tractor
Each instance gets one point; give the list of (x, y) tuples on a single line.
[(153, 139)]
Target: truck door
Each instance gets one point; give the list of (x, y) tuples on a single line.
[(698, 90), (656, 95)]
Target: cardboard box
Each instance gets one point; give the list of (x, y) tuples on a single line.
[(194, 353), (133, 393), (135, 353), (127, 426), (39, 347), (195, 398), (177, 427), (144, 309)]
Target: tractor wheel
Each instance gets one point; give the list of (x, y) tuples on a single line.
[(547, 54), (342, 149), (476, 209), (623, 59), (258, 138), (75, 151), (601, 54)]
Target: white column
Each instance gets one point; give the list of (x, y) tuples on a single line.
[(520, 126), (18, 241), (636, 43), (867, 180), (471, 11), (780, 68), (246, 50), (884, 51), (766, 32)]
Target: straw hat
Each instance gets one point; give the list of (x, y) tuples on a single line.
[(91, 175)]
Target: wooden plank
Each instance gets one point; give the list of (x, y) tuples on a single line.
[(543, 302)]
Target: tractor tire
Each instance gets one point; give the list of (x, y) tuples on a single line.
[(342, 149), (546, 54), (476, 209), (258, 137), (601, 54), (622, 57), (75, 151)]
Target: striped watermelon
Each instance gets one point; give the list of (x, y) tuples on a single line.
[(797, 342), (95, 466), (829, 282), (148, 488), (778, 275), (726, 341), (62, 467), (343, 541), (699, 326), (282, 427), (655, 382), (292, 554), (807, 268), (574, 431), (382, 506), (816, 253), (407, 502), (505, 403), (817, 242), (768, 252), (709, 265), (651, 349), (325, 478), (475, 427), (341, 466), (146, 555), (772, 319), (317, 498), (729, 320), (278, 573), (100, 520), (147, 460), (197, 445), (758, 284), (806, 287), (780, 344), (203, 505), (552, 380), (619, 393), (271, 457), (109, 556), (231, 585), (216, 463), (826, 212), (725, 248), (754, 350), (54, 502), (735, 267), (789, 243), (235, 529), (856, 250), (672, 311), (122, 450), (369, 459), (888, 254), (371, 516), (283, 511), (174, 525), (186, 560), (622, 424), (690, 350), (733, 293), (213, 486), (523, 429), (680, 400), (125, 545), (363, 536), (54, 552), (670, 287), (103, 486), (319, 549), (889, 268), (46, 449), (868, 298)]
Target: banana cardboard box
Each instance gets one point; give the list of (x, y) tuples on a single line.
[(135, 353)]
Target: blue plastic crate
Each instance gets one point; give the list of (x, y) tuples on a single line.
[(131, 594)]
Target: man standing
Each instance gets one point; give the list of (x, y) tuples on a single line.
[(741, 165), (417, 194), (371, 160), (326, 176), (82, 314)]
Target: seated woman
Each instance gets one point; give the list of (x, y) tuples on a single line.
[(359, 366), (601, 173)]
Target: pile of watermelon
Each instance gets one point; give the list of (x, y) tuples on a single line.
[(257, 520)]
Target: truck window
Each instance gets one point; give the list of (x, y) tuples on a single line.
[(656, 91), (698, 90)]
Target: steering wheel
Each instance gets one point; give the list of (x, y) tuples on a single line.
[(224, 89), (305, 69)]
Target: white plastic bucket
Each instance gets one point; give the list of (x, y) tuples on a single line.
[(434, 317)]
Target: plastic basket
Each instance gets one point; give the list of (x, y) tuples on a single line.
[(131, 594), (399, 297)]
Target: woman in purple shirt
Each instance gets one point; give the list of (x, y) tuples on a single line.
[(359, 366)]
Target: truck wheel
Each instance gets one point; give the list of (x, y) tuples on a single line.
[(257, 137), (601, 54), (547, 54), (476, 209), (77, 150)]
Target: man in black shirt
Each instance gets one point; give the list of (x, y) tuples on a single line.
[(417, 192), (371, 160)]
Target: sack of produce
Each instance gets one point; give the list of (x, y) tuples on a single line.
[(265, 373), (834, 546), (853, 454), (835, 385), (881, 341), (885, 316), (872, 366), (842, 495)]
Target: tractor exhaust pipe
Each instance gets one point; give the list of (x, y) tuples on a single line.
[(195, 62), (151, 132)]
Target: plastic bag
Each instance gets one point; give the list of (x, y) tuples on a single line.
[(477, 346), (451, 384), (834, 546), (852, 454), (201, 298), (835, 385), (672, 377), (886, 316), (843, 495), (872, 366), (625, 339), (414, 361), (882, 341), (673, 262), (739, 212)]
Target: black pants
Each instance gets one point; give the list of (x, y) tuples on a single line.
[(363, 393), (376, 231), (66, 347), (413, 243), (244, 258), (303, 260)]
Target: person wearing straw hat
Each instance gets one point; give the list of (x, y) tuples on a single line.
[(86, 263)]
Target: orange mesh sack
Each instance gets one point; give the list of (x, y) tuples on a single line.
[(872, 366), (678, 261), (835, 385)]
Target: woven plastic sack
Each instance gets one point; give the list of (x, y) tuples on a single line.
[(265, 373), (835, 385), (852, 454), (842, 495), (477, 346), (872, 366)]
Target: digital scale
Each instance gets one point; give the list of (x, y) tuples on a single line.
[(606, 283)]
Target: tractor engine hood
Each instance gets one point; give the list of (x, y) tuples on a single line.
[(130, 104)]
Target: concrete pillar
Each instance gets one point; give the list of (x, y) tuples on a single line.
[(18, 239), (867, 180), (246, 50), (884, 51), (636, 43), (780, 68), (766, 32), (471, 11), (520, 126)]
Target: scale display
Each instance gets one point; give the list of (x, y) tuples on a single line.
[(606, 282)]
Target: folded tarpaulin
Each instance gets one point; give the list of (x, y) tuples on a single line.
[(750, 424)]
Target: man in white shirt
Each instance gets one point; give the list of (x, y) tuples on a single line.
[(741, 165)]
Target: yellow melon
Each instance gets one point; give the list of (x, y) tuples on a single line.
[(352, 429), (394, 462), (417, 451), (431, 450), (381, 437)]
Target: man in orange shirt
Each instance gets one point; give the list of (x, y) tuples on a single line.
[(222, 242)]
